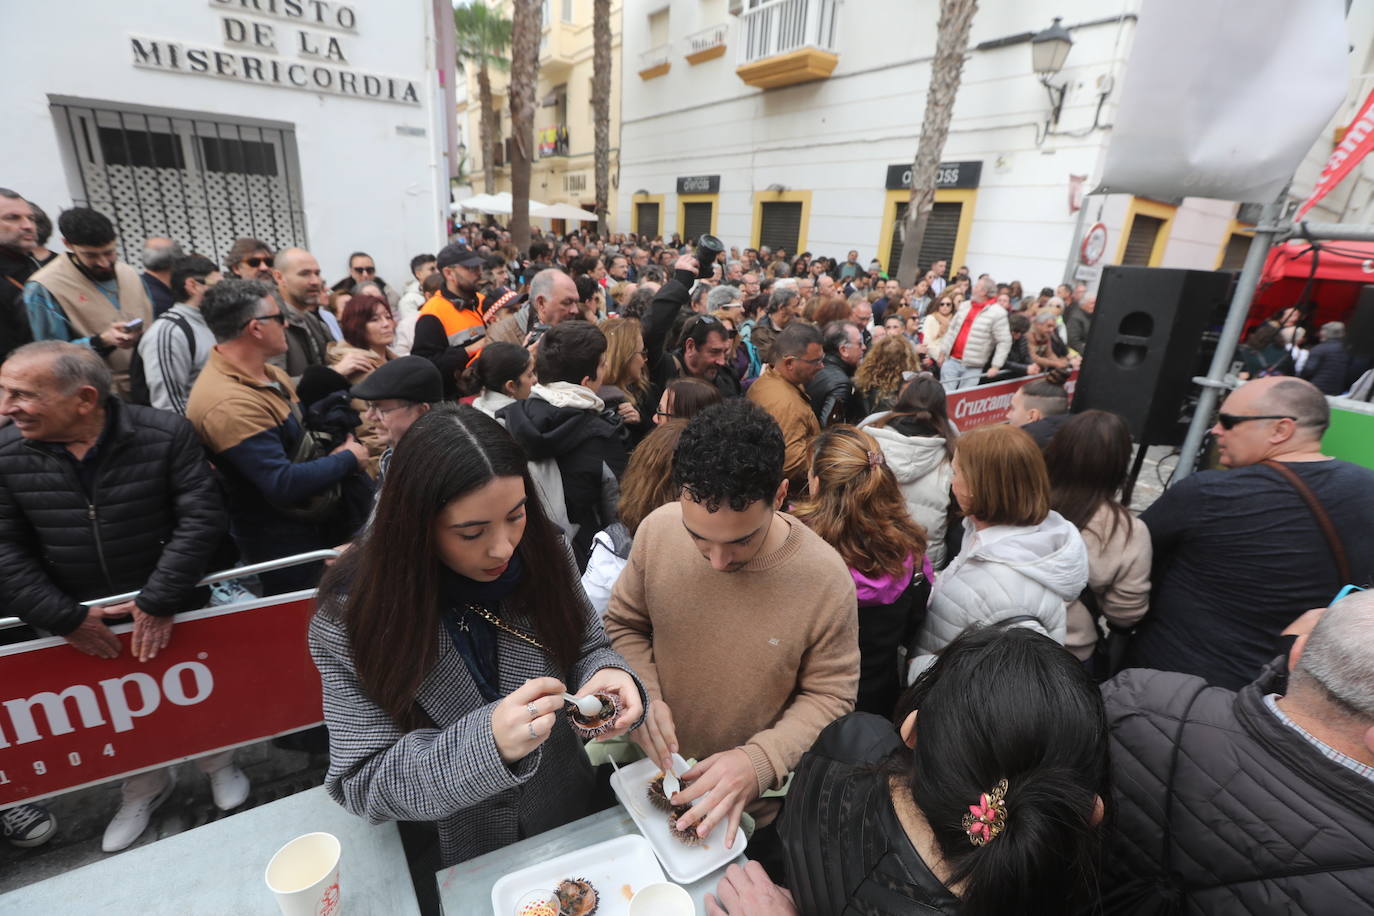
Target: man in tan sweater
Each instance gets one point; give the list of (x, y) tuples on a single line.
[(740, 621), (797, 356)]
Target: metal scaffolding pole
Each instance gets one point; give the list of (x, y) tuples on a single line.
[(1266, 233)]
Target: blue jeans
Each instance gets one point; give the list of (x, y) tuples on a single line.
[(953, 375)]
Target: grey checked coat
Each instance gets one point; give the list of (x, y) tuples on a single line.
[(452, 775)]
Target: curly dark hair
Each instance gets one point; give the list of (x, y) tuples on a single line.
[(84, 226), (730, 454)]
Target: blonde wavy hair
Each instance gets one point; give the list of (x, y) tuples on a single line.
[(624, 339), (880, 373), (857, 507)]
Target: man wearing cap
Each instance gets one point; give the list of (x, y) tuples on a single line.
[(450, 330), (397, 394)]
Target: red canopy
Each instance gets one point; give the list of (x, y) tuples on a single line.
[(1342, 269)]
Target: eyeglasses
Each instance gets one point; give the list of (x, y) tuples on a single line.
[(258, 262), (366, 270), (383, 411), (665, 414), (277, 317), (812, 362), (1230, 420)]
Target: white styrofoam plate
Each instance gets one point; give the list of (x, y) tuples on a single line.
[(684, 864), (617, 869)]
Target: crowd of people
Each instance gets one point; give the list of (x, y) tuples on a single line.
[(925, 667)]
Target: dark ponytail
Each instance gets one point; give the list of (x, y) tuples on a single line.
[(1010, 703), (497, 363)]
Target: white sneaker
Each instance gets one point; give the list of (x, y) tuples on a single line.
[(229, 785), (132, 817), (229, 592)]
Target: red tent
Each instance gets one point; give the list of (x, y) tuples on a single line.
[(1342, 269)]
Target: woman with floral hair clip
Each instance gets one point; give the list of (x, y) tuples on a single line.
[(987, 799)]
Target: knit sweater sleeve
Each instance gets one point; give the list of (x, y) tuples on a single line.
[(827, 684), (627, 620)]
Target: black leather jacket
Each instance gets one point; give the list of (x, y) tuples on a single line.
[(845, 850)]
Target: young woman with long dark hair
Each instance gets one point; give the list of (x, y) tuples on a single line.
[(1087, 461), (986, 801), (445, 641), (501, 375), (854, 505)]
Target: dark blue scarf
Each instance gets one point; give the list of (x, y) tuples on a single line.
[(472, 635)]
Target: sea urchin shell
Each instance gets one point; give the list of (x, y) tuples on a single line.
[(657, 797), (686, 837), (596, 725), (577, 897)]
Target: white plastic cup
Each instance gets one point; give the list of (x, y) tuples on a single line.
[(662, 900), (304, 875)]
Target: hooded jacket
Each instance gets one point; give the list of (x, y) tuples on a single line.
[(1006, 572), (564, 423), (923, 470)]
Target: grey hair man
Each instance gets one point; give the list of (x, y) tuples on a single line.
[(128, 504), (18, 240), (1269, 786), (977, 340), (783, 304), (1328, 364), (159, 254), (553, 300), (1222, 593), (724, 297)]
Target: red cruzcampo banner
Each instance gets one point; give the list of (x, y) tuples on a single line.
[(231, 675), (1357, 142), (987, 404)]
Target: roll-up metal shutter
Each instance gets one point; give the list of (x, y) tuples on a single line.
[(696, 220), (1141, 242), (780, 225), (942, 234), (646, 220)]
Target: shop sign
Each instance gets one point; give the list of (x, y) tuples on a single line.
[(948, 175), (698, 184), (257, 51)]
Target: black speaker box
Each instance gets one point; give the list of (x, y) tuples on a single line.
[(1153, 330), (1359, 331)]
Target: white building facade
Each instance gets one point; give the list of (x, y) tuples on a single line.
[(298, 122), (793, 123)]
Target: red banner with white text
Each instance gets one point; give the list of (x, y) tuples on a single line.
[(986, 404), (1354, 146), (231, 676)]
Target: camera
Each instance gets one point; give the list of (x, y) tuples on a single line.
[(708, 248)]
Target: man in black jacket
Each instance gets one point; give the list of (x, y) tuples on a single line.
[(99, 497), (1328, 363), (832, 390), (705, 345), (564, 428), (1260, 801), (18, 237)]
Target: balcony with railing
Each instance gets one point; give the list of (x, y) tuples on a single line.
[(785, 42), (654, 62), (706, 44), (553, 141), (558, 47)]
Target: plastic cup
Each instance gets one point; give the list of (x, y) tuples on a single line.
[(304, 876), (537, 903), (662, 900)]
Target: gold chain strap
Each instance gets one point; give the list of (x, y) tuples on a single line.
[(495, 621)]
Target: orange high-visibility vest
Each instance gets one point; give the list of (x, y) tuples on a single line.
[(462, 326)]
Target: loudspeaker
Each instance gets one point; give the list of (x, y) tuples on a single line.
[(1153, 330), (1359, 331)]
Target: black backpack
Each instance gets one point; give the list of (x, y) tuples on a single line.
[(138, 378)]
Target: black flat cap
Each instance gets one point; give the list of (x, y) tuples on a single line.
[(407, 378), (458, 255)]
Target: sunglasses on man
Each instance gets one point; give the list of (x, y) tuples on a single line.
[(1231, 421), (258, 262)]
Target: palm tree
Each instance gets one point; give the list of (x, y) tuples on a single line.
[(601, 108), (956, 16), (482, 36), (524, 79)]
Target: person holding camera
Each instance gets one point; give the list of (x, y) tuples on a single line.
[(704, 348)]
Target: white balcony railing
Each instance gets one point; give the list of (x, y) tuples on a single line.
[(707, 39), (654, 57), (779, 26)]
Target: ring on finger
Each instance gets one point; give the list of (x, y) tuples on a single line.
[(533, 734), (532, 710)]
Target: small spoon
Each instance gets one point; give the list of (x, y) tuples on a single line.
[(589, 707), (671, 785)]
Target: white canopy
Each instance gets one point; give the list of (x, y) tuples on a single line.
[(562, 211), (493, 203)]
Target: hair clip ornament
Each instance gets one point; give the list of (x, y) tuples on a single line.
[(987, 819), (875, 459)]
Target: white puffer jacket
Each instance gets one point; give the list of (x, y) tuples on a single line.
[(1004, 572), (923, 471)]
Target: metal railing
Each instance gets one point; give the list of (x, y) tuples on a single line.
[(224, 575), (707, 39), (655, 57), (780, 26)]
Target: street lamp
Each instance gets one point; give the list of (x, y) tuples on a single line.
[(1049, 50)]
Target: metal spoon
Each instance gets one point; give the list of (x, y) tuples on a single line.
[(589, 707)]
